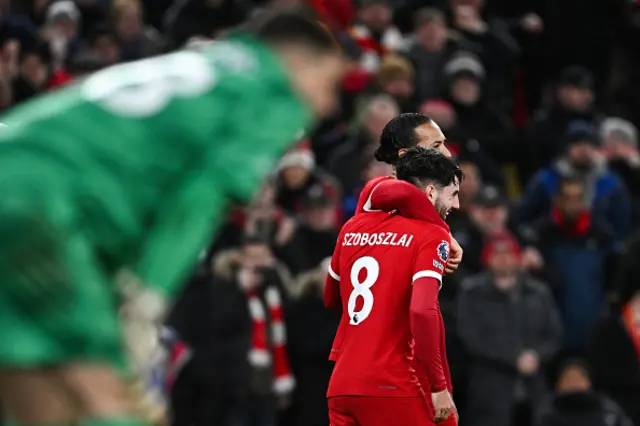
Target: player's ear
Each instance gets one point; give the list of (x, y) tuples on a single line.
[(431, 192)]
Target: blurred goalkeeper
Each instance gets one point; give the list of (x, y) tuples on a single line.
[(111, 188)]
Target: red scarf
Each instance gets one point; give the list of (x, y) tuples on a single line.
[(269, 348), (632, 327), (180, 355), (578, 227)]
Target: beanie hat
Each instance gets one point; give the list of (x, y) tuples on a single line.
[(619, 128), (581, 130), (464, 65), (576, 76), (298, 158), (66, 9), (500, 243)]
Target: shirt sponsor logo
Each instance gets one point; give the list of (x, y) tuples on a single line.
[(438, 265)]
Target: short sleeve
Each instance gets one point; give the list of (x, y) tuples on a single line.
[(432, 255)]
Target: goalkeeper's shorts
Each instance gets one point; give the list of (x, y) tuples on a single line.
[(57, 305)]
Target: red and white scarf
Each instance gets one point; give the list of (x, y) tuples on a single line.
[(265, 353), (372, 49)]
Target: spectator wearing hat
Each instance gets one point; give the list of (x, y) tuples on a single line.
[(297, 174), (483, 213), (614, 347), (577, 248), (605, 193), (575, 402), (62, 32), (375, 33), (106, 45), (476, 115), (511, 329), (396, 78), (491, 211), (620, 148), (546, 134)]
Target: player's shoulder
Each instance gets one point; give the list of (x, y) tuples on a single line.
[(361, 221), (375, 181), (364, 200), (238, 54)]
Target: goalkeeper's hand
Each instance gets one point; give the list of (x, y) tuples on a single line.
[(143, 311)]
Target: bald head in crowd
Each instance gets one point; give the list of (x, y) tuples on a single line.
[(377, 113)]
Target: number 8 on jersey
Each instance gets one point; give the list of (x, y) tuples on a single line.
[(362, 288)]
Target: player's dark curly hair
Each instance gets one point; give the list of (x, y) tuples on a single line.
[(399, 133), (423, 166)]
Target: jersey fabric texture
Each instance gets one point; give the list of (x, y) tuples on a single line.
[(131, 168), (377, 257)]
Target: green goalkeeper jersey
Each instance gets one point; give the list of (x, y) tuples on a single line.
[(149, 153)]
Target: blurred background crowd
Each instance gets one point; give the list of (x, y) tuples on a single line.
[(540, 103)]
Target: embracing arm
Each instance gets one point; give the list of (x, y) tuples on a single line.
[(425, 327)]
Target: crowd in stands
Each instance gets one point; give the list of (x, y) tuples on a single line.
[(539, 100)]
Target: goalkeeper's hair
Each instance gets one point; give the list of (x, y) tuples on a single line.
[(293, 28), (399, 133), (423, 167)]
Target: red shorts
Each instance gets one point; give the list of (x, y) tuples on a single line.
[(379, 411)]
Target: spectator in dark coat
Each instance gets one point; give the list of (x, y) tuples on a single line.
[(315, 235), (311, 332), (497, 48), (576, 247), (239, 371), (511, 329), (476, 114), (546, 135), (620, 148), (429, 51), (604, 191), (575, 403), (614, 349)]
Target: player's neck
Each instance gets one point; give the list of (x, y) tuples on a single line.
[(393, 173)]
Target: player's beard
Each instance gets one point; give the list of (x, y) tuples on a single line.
[(442, 209)]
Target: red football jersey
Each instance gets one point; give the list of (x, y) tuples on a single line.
[(377, 257), (364, 200)]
